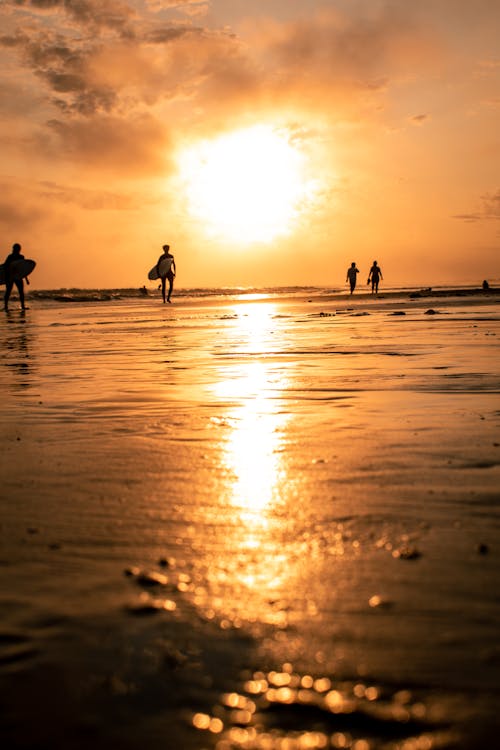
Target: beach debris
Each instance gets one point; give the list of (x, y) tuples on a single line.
[(151, 578), (482, 549), (398, 312), (406, 552), (149, 606), (421, 293), (132, 571), (376, 601), (166, 562), (431, 311)]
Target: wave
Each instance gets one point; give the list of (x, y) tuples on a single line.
[(108, 295)]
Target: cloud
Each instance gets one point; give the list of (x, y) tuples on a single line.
[(139, 145), (103, 67), (62, 65), (273, 62), (419, 119), (107, 14), (90, 200), (489, 209), (166, 34), (491, 205), (469, 218), (88, 73), (20, 206), (338, 47), (189, 7)]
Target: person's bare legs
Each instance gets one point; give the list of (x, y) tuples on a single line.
[(8, 289), (20, 289), (170, 287)]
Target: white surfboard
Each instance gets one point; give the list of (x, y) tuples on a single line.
[(164, 267), (19, 269)]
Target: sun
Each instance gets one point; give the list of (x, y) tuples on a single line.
[(245, 186)]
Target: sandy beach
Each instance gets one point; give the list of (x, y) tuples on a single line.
[(265, 522)]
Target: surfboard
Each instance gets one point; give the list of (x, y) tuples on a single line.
[(164, 267), (19, 269)]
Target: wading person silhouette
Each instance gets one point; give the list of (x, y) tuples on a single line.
[(167, 272), (9, 281), (375, 276), (352, 273)]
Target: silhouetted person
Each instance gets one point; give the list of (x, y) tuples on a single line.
[(143, 291), (170, 275), (352, 273), (9, 281), (486, 286), (375, 276)]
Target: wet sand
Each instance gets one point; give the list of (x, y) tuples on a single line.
[(266, 523)]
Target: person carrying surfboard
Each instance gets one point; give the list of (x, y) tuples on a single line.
[(166, 270), (9, 280)]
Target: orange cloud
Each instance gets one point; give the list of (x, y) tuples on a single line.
[(138, 145)]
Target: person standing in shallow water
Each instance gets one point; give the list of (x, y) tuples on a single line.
[(170, 275), (352, 273), (375, 276), (9, 281)]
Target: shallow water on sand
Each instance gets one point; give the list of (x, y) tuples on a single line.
[(250, 524)]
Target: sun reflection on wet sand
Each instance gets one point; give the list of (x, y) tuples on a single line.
[(252, 451), (253, 454)]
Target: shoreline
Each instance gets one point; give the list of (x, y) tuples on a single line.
[(298, 295)]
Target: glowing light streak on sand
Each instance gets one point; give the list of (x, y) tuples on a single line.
[(246, 186), (253, 448), (250, 386)]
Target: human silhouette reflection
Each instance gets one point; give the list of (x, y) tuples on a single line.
[(15, 342)]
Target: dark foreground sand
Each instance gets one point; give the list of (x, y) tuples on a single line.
[(237, 524)]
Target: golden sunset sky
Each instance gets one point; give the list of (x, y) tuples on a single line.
[(269, 142)]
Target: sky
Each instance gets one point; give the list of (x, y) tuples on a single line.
[(270, 142)]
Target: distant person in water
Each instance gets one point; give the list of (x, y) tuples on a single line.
[(170, 275), (352, 273), (375, 276), (486, 286), (9, 281)]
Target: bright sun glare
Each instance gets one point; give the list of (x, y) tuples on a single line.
[(245, 186)]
